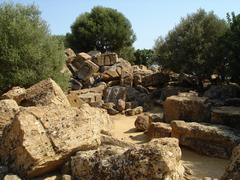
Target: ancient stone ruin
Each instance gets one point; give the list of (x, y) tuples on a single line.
[(48, 134)]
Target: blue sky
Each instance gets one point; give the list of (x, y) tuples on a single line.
[(149, 18)]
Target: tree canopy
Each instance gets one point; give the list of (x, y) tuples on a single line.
[(28, 53), (192, 46), (231, 48), (143, 56), (102, 29)]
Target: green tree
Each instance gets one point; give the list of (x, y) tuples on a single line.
[(28, 53), (231, 47), (192, 46), (143, 56), (102, 29)]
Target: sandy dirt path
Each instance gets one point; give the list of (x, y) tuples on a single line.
[(201, 166)]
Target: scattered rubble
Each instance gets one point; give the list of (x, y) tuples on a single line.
[(42, 129)]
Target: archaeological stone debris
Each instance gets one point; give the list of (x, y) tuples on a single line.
[(50, 134)]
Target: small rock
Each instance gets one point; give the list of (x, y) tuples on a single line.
[(121, 105), (11, 177), (135, 111), (66, 177), (142, 122)]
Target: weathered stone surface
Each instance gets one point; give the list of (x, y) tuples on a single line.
[(157, 117), (83, 56), (212, 140), (186, 106), (188, 81), (16, 93), (133, 95), (120, 71), (226, 115), (170, 91), (233, 169), (40, 139), (159, 159), (223, 91), (45, 93), (134, 111), (8, 109), (106, 59), (90, 95), (156, 79), (11, 177), (66, 177), (94, 53), (74, 100), (139, 73), (83, 69), (159, 130), (70, 54), (114, 93), (142, 123)]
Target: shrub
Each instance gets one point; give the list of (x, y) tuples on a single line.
[(28, 53)]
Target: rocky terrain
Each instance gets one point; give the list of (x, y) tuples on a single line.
[(48, 134)]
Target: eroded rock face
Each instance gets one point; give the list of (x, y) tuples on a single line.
[(233, 169), (226, 115), (208, 139), (8, 109), (159, 159), (159, 130), (40, 139), (106, 59), (186, 106), (16, 93), (46, 92)]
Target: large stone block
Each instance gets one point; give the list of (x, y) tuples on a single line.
[(156, 79), (106, 59), (226, 115), (205, 138), (41, 139), (83, 69), (233, 169), (83, 56), (159, 130), (8, 109), (44, 93), (186, 106), (142, 123), (90, 95), (159, 159), (114, 93), (223, 91)]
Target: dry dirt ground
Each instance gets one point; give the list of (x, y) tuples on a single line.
[(201, 166)]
